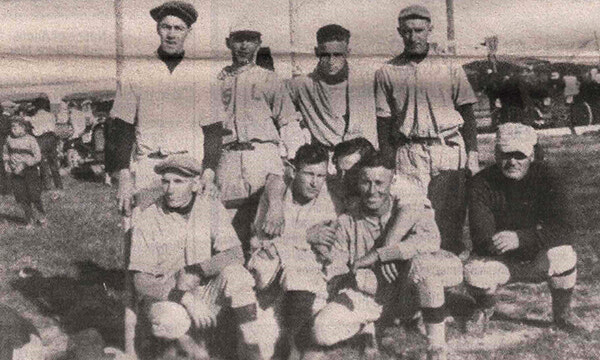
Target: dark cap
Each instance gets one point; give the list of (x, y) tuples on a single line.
[(183, 10), (414, 12), (332, 32), (182, 164), (19, 119)]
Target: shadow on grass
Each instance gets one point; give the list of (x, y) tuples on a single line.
[(94, 299), (13, 219), (542, 324)]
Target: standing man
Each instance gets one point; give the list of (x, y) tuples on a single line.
[(159, 108), (262, 131), (158, 111), (184, 250), (8, 109), (520, 229), (332, 100), (44, 129), (425, 122)]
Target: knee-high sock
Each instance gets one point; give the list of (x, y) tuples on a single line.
[(297, 309), (435, 326)]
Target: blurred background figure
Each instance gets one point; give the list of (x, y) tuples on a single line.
[(43, 124), (264, 58), (19, 339), (8, 109)]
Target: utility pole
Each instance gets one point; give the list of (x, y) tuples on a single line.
[(292, 16), (119, 57), (450, 29)]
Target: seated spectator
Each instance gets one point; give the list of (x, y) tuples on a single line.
[(19, 339)]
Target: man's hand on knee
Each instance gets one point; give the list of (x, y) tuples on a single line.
[(187, 281), (199, 312), (504, 241)]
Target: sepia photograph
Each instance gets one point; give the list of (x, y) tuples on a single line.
[(299, 179)]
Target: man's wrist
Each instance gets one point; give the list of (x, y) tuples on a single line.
[(208, 175)]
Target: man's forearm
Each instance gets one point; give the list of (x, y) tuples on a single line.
[(274, 188), (469, 129), (384, 137), (217, 263), (124, 139)]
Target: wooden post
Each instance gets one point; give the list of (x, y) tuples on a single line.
[(450, 28), (119, 52), (292, 16)]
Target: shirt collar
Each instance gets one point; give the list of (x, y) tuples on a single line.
[(171, 60)]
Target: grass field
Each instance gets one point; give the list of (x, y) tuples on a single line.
[(80, 255)]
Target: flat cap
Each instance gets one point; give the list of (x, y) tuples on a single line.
[(19, 119), (414, 12), (183, 164), (183, 10)]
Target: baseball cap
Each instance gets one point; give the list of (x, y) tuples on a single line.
[(516, 137), (245, 27), (183, 10), (414, 12), (180, 163)]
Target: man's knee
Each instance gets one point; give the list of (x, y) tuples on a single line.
[(486, 274), (238, 285), (327, 330), (561, 259), (440, 267)]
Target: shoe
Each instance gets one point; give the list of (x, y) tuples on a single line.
[(571, 323), (436, 353), (479, 321)]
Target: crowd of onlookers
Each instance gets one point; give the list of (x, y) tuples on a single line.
[(39, 142)]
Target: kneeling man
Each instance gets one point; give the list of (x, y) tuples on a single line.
[(293, 258), (185, 250), (363, 246), (519, 228)]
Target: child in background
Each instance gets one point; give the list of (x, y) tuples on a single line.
[(22, 155)]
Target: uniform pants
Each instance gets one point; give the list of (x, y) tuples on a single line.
[(49, 168), (555, 265), (27, 189), (440, 169), (241, 177), (420, 284), (232, 287)]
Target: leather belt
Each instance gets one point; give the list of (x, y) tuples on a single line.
[(244, 145), (430, 140), (161, 155)]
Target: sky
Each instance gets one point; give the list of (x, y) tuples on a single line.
[(524, 27)]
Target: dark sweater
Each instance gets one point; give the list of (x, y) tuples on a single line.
[(534, 207)]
